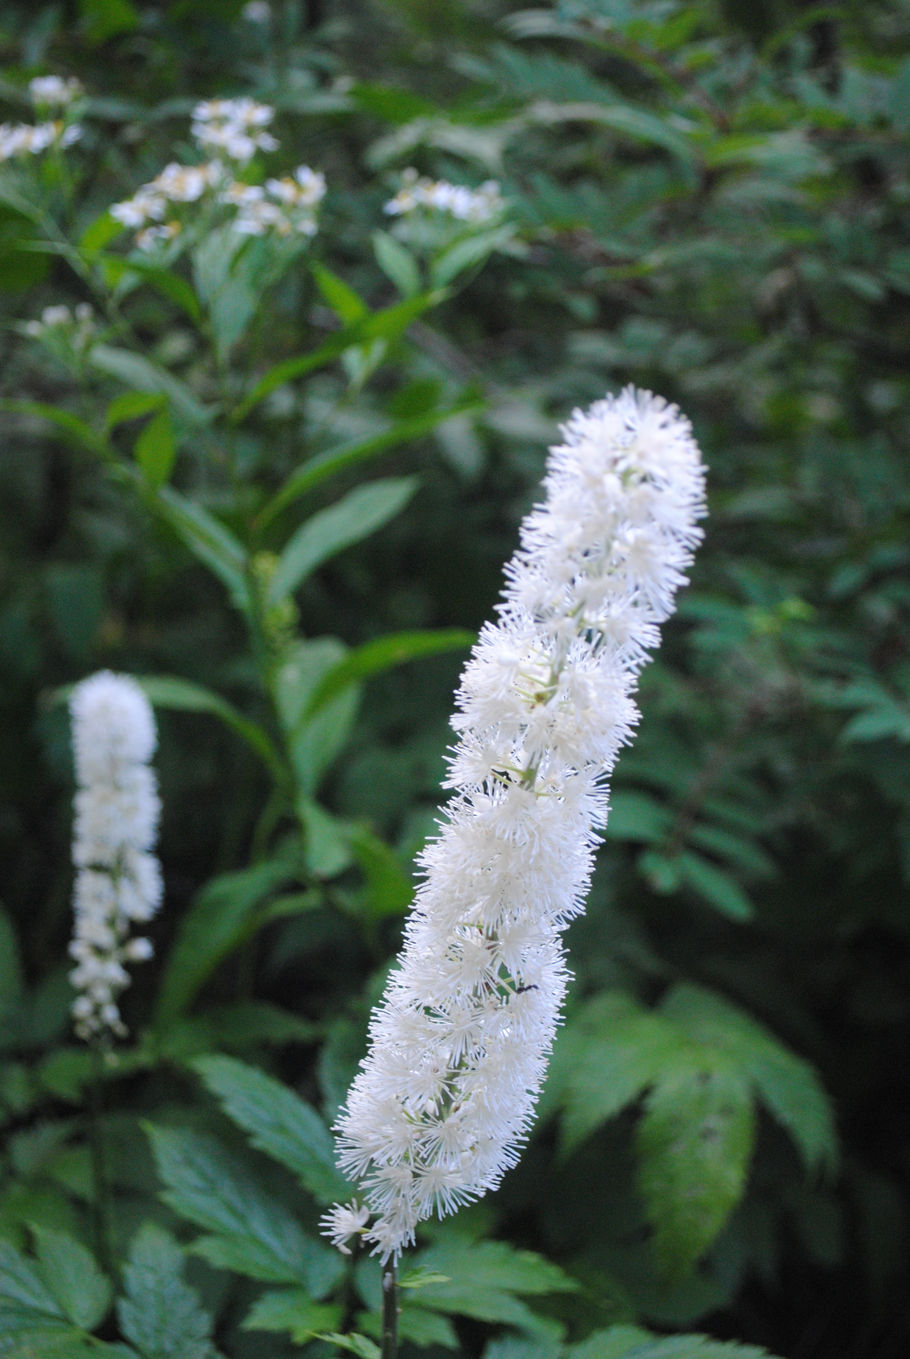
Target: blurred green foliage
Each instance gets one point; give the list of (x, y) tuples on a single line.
[(277, 482)]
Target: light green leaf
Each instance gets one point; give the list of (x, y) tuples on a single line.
[(694, 1144), (313, 743), (466, 253), (125, 274), (156, 449), (278, 1122), (160, 1314), (130, 406), (360, 1345), (384, 653), (21, 1283), (388, 890), (77, 431), (330, 531), (341, 297), (326, 848), (637, 816), (397, 263), (81, 1290)]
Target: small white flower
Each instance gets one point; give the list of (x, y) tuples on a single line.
[(118, 879), (344, 1221), (54, 91), (458, 201)]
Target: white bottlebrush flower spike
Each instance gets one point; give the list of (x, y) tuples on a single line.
[(118, 879), (459, 1044)]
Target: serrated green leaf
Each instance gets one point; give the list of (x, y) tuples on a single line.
[(610, 1051), (159, 1313), (250, 1231), (788, 1085), (694, 1145), (25, 1334), (360, 1345), (22, 1283), (358, 514), (292, 1310), (632, 1342), (487, 1280), (278, 1122), (72, 1275)]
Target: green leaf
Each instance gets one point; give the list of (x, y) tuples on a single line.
[(637, 816), (181, 695), (138, 372), (104, 19), (341, 297), (220, 918), (207, 538), (631, 1342), (467, 252), (156, 449), (21, 1283), (487, 1280), (131, 405), (251, 1231), (628, 121), (694, 1144), (279, 1123), (610, 1051), (313, 743), (159, 1313), (330, 531), (327, 850), (384, 653), (344, 456), (25, 1334), (387, 324), (788, 1085), (388, 890), (77, 431), (397, 263), (715, 886), (292, 1310), (123, 273), (81, 1290)]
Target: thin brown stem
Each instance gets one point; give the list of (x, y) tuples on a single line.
[(389, 1313)]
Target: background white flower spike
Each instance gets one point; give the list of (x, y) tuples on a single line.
[(459, 1044), (118, 878)]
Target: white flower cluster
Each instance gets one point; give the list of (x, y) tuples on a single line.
[(46, 92), (234, 128), (54, 91), (77, 326), (459, 1044), (460, 202), (118, 878)]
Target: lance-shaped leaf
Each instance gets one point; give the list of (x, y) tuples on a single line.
[(329, 532)]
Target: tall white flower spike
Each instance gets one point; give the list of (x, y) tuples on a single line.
[(458, 1046), (118, 878)]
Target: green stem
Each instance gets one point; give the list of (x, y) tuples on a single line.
[(389, 1313), (101, 1199)]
